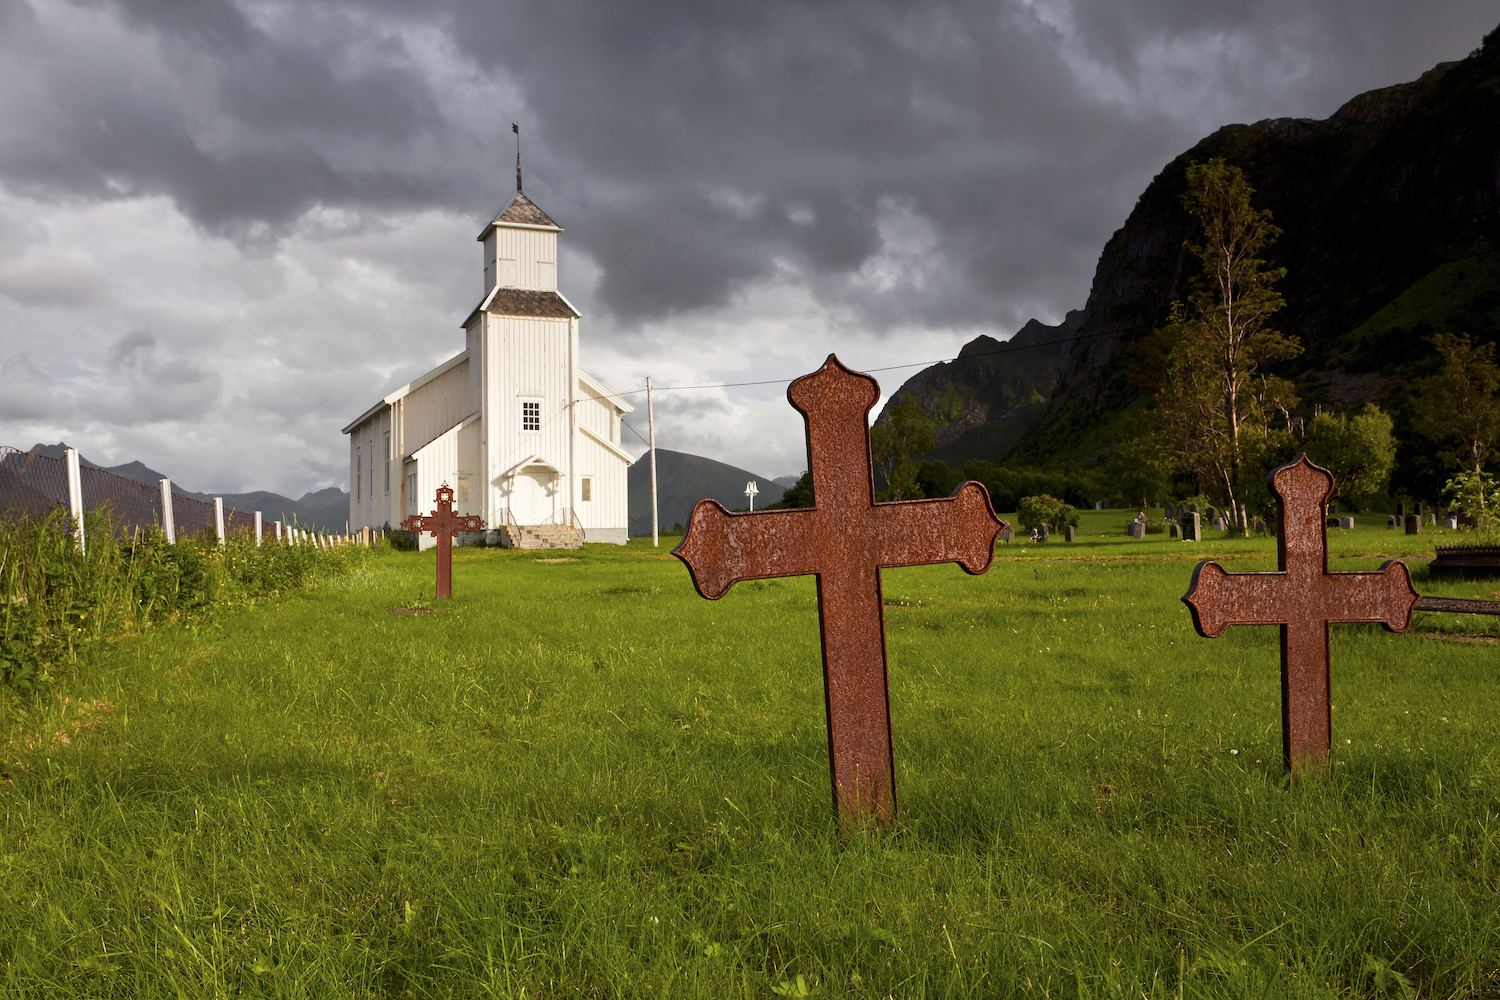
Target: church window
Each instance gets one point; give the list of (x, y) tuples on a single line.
[(531, 415), (586, 489)]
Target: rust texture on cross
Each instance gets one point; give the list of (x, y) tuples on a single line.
[(444, 523), (844, 539), (1303, 598)]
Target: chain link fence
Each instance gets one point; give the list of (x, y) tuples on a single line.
[(33, 484)]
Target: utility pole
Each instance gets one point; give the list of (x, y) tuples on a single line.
[(651, 443)]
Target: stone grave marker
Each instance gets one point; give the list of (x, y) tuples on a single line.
[(1173, 531), (444, 523), (1413, 524), (1007, 534), (1401, 510), (1303, 598), (1347, 521), (1136, 529), (1452, 522), (1220, 524), (1391, 522), (1192, 526), (1069, 533), (844, 539)]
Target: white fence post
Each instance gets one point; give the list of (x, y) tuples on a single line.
[(278, 529), (75, 495), (257, 529), (219, 518), (168, 521)]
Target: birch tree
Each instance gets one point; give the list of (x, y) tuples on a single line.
[(1221, 337)]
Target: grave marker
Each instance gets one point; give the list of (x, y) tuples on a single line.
[(444, 524), (844, 539), (1303, 598), (1192, 526)]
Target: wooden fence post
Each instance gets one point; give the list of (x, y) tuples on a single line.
[(258, 526), (75, 495), (219, 518), (168, 521)]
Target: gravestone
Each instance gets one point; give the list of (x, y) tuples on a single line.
[(1304, 599), (1173, 531), (1098, 504), (1192, 527), (1220, 524), (1452, 522), (1043, 532), (1136, 529), (1346, 521), (1413, 524), (1170, 513), (1007, 534), (1401, 510), (1332, 522), (1391, 522), (1069, 533), (845, 539), (1419, 508), (444, 523), (1432, 519)]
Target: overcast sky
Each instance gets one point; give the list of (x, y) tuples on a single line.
[(227, 228)]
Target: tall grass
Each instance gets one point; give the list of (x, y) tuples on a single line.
[(57, 603)]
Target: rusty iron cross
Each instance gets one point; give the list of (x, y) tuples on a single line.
[(444, 524), (844, 539), (1303, 598)]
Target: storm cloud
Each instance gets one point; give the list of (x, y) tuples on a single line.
[(284, 195)]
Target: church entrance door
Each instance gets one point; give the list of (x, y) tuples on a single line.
[(533, 495)]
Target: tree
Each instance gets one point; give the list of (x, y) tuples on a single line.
[(1359, 450), (1458, 409), (898, 437), (1217, 409), (799, 494), (1046, 510)]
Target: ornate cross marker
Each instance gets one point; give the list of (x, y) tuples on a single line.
[(444, 524), (844, 539), (1303, 598)]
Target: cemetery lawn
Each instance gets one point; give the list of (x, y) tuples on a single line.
[(579, 779)]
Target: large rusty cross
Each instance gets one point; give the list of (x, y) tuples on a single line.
[(444, 523), (1303, 598), (844, 539)]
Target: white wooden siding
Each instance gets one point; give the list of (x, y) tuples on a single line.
[(521, 258), (606, 516), (438, 462), (372, 507), (434, 407), (525, 358)]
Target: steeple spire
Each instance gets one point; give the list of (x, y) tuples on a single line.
[(516, 128)]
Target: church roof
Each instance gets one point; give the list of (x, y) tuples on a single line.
[(524, 302), (521, 211)]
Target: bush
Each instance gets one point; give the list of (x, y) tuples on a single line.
[(1034, 512), (57, 603)]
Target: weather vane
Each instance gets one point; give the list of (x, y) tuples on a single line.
[(516, 128)]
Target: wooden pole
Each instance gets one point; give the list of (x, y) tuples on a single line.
[(651, 443), (75, 495), (168, 521)]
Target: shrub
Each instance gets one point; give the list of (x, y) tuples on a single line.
[(1034, 512), (57, 603)]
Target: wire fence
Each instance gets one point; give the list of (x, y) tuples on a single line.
[(33, 484)]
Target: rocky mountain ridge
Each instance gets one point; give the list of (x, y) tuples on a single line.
[(1390, 217)]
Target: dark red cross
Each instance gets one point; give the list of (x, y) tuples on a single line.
[(1303, 598), (844, 539), (444, 524)]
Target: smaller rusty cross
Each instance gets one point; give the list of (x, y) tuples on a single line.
[(444, 524), (845, 539), (1303, 598)]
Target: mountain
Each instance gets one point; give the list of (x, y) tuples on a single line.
[(1390, 218), (323, 510), (681, 481)]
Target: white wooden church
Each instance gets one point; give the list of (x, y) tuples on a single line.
[(528, 440)]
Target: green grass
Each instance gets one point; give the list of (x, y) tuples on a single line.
[(578, 778)]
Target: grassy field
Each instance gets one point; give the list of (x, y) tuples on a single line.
[(579, 779)]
